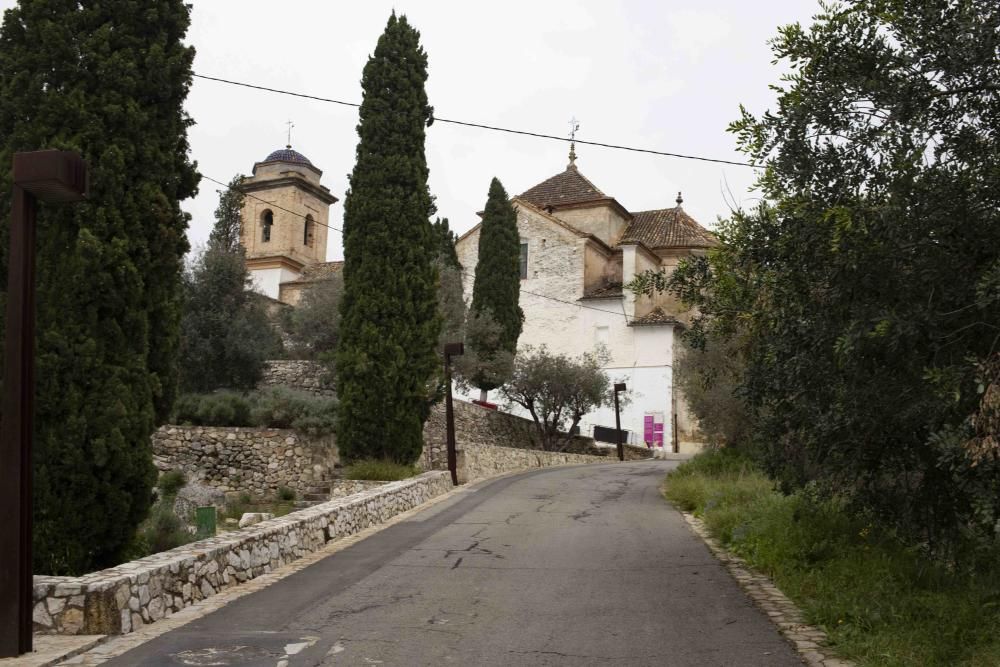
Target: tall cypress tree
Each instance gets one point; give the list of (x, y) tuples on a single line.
[(108, 80), (389, 314), (497, 284)]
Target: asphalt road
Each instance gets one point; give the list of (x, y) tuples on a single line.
[(586, 565)]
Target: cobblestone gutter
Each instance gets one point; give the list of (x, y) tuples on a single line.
[(123, 598), (808, 640)]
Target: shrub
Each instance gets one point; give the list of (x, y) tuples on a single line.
[(279, 407), (161, 531), (285, 493), (276, 407), (221, 408), (379, 470), (171, 482)]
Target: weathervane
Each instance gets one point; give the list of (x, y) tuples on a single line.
[(574, 125), (290, 125)]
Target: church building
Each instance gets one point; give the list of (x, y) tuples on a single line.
[(285, 217), (578, 247)]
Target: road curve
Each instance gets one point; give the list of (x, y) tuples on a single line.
[(584, 565)]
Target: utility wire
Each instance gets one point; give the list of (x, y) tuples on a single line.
[(482, 126), (317, 222)]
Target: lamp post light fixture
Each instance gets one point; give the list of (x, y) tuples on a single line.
[(55, 177), (451, 350), (619, 387)]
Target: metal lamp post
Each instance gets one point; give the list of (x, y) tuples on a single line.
[(619, 387), (56, 177), (451, 350)]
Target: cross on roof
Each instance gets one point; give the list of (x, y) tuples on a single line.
[(574, 125), (290, 125)]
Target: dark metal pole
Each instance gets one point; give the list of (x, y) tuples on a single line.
[(619, 386), (451, 349), (51, 176), (16, 428)]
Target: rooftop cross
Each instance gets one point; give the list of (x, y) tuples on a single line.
[(290, 125), (574, 125)]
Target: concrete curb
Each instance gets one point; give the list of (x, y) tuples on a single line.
[(807, 640)]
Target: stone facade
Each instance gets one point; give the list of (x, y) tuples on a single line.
[(307, 376), (255, 460), (123, 598)]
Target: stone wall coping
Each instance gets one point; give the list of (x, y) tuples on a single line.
[(137, 571), (169, 429)]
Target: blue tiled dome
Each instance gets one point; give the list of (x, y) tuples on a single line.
[(288, 155)]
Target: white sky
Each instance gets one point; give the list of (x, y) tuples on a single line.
[(665, 75)]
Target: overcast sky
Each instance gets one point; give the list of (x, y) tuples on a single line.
[(665, 75)]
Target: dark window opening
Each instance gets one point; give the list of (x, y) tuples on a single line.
[(524, 261), (307, 232), (267, 221)]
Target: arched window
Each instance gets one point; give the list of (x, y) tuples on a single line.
[(266, 222), (307, 231)]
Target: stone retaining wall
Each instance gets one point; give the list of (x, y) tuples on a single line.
[(254, 460), (478, 461), (476, 426), (303, 375), (121, 599)]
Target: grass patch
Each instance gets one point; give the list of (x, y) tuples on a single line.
[(382, 471), (881, 602)]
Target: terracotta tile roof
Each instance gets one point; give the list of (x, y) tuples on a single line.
[(605, 291), (653, 318), (319, 271), (667, 227), (569, 187)]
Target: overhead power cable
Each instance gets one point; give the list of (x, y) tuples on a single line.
[(337, 229), (482, 126)]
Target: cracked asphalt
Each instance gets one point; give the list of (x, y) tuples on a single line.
[(584, 565)]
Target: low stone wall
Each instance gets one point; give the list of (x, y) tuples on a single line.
[(303, 375), (478, 461), (255, 460), (123, 598), (476, 426), (345, 487)]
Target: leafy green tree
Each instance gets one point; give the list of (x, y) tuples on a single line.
[(557, 391), (865, 288), (225, 234), (497, 285), (390, 323), (226, 335), (108, 80), (315, 321)]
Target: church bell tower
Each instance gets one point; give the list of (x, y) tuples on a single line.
[(285, 217)]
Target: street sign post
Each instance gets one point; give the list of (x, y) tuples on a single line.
[(451, 350), (619, 387)]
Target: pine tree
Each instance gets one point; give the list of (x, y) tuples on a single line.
[(444, 243), (226, 335), (108, 80), (497, 284), (225, 234), (390, 322)]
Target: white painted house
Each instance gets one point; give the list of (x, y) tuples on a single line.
[(578, 247)]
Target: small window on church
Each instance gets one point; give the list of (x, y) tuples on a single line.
[(524, 261), (267, 221), (307, 231)]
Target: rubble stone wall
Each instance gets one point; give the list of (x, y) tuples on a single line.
[(121, 599), (255, 460), (308, 376), (479, 461)]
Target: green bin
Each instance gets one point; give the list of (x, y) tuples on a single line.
[(204, 518)]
